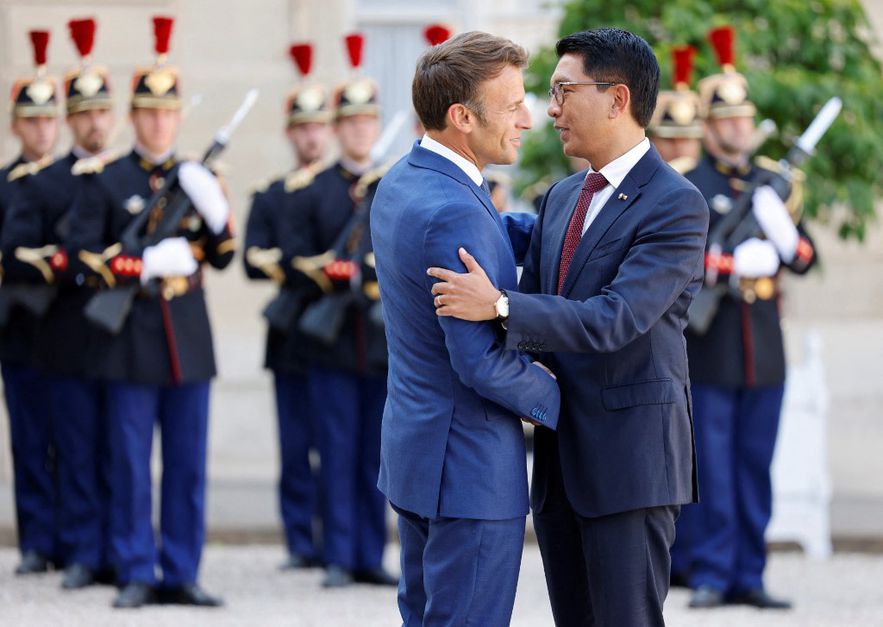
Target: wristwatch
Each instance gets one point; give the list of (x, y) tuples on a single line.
[(502, 306)]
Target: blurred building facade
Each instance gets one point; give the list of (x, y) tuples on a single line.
[(224, 47)]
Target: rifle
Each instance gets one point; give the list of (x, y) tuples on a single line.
[(35, 299), (322, 319), (739, 224), (109, 308)]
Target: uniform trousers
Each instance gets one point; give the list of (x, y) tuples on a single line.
[(735, 437), (297, 483), (349, 409), (80, 424), (33, 446), (181, 412)]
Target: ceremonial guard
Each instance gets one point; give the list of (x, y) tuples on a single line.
[(34, 238), (737, 363), (276, 230), (35, 124), (348, 347), (676, 126), (160, 361)]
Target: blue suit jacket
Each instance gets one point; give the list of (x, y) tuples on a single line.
[(452, 443), (615, 338)]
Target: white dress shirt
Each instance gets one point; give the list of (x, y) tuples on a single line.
[(461, 162), (615, 173)]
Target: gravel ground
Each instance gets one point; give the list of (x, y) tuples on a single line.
[(847, 590)]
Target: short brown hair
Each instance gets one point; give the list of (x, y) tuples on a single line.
[(451, 73)]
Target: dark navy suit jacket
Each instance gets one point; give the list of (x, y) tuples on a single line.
[(615, 339), (452, 443)]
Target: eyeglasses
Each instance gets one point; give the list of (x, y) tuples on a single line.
[(557, 92)]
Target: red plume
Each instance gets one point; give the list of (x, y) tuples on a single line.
[(302, 54), (722, 39), (83, 34), (162, 32), (683, 64), (354, 45), (436, 34), (40, 41)]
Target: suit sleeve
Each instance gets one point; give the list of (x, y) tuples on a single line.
[(519, 226), (530, 274), (503, 376), (664, 260)]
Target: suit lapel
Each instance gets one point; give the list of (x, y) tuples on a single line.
[(558, 230), (622, 198), (423, 158)]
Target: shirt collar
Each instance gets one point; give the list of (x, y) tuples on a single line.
[(461, 162), (616, 171)]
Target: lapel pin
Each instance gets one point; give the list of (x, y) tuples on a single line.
[(623, 197)]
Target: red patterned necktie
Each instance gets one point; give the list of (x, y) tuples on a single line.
[(594, 182)]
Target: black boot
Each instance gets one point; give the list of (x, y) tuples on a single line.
[(32, 563), (134, 595), (77, 576)]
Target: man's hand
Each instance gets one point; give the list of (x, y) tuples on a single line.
[(755, 258), (469, 296), (774, 220), (205, 193)]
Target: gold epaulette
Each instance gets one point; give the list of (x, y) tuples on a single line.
[(300, 178), (27, 169), (685, 164), (96, 164), (369, 178), (261, 186), (794, 202)]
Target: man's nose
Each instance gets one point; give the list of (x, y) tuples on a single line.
[(525, 121), (554, 109)]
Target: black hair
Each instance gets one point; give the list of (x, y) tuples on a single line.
[(617, 56)]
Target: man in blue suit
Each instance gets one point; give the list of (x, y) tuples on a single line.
[(452, 446), (615, 259)]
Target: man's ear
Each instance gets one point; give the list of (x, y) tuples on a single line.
[(461, 118), (622, 98)]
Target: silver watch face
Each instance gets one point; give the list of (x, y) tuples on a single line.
[(502, 306)]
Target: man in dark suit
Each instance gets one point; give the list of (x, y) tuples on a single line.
[(452, 446), (615, 259)]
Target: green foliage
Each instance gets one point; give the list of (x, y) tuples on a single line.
[(795, 53)]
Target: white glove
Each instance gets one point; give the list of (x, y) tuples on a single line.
[(755, 258), (171, 257), (777, 225), (205, 193)]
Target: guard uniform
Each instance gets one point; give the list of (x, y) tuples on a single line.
[(157, 369), (348, 388), (349, 366), (67, 347), (737, 373), (275, 234), (25, 387)]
